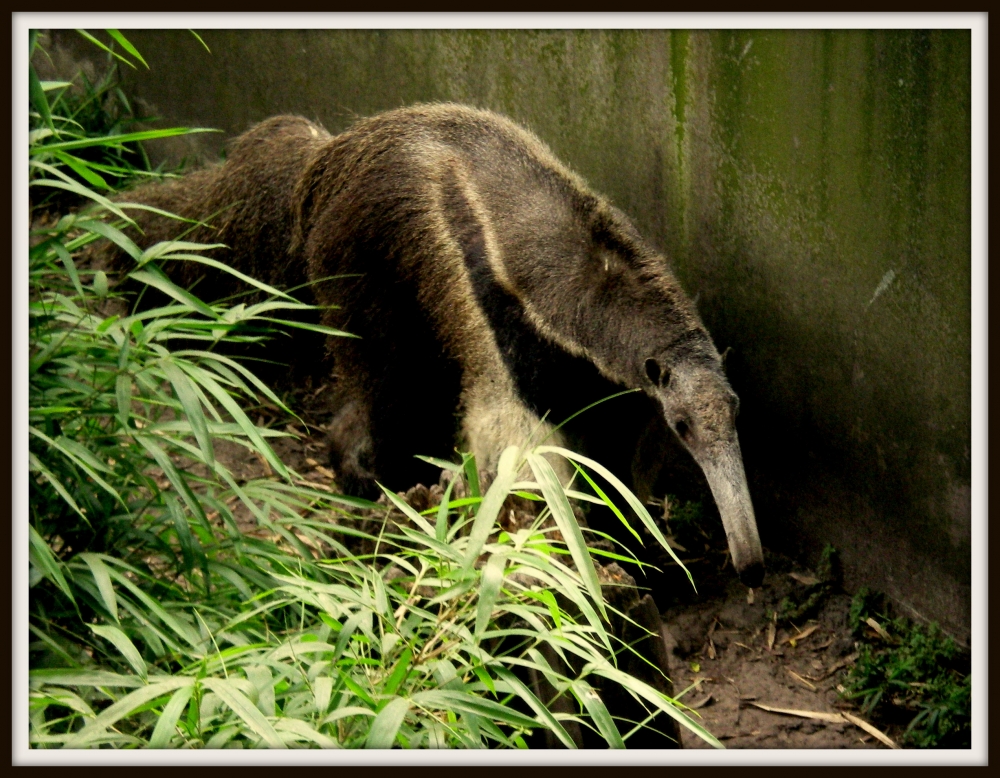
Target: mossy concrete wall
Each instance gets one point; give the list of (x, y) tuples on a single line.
[(812, 189)]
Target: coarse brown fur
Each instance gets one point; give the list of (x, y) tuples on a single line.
[(489, 286)]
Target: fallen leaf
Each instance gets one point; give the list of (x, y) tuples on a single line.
[(835, 718), (311, 462), (324, 471), (806, 580), (770, 634), (869, 729), (695, 667), (315, 485), (793, 639), (711, 649), (749, 596), (800, 679), (701, 703), (878, 628)]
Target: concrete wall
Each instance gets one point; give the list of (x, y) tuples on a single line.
[(811, 188)]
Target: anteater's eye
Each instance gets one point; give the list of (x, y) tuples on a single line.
[(683, 430), (653, 371)]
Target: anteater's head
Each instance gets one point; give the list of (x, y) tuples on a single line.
[(700, 407)]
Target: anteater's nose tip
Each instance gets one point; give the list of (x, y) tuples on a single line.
[(753, 575)]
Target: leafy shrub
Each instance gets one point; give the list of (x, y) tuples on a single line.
[(919, 676)]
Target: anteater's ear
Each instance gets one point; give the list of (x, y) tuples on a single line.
[(723, 357)]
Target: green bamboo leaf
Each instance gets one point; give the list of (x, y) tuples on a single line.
[(444, 464), (184, 631), (81, 457), (598, 712), (225, 362), (102, 577), (116, 141), (166, 724), (543, 713), (69, 700), (124, 42), (36, 465), (303, 325), (100, 284), (97, 43), (82, 169), (661, 701), (386, 724), (399, 673), (322, 690), (153, 276), (163, 251), (95, 730), (489, 592), (42, 557), (198, 38), (78, 189), (113, 234), (190, 549), (192, 406), (607, 501), (471, 474), (446, 699), (173, 475), (634, 503), (305, 732), (123, 396), (241, 705), (489, 509), (441, 525), (355, 687), (86, 678), (36, 93), (69, 264), (350, 625), (562, 512), (410, 513), (226, 400), (233, 577), (125, 646)]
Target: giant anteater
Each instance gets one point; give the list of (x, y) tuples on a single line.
[(490, 288)]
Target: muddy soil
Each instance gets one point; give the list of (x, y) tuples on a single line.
[(729, 657)]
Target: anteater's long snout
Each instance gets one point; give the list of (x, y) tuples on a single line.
[(728, 482)]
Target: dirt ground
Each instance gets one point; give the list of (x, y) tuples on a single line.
[(736, 667), (731, 663)]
